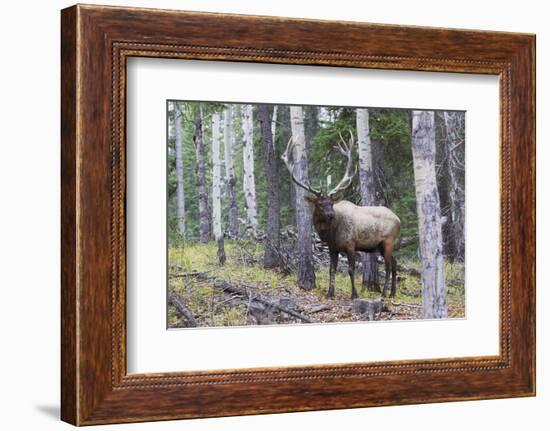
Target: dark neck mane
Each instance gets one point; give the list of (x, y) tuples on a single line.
[(322, 226)]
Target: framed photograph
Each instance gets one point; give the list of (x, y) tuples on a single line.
[(264, 214)]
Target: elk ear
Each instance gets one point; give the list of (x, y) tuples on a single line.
[(309, 199)]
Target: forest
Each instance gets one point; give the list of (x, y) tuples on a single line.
[(271, 209)]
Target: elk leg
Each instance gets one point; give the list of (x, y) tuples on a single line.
[(393, 277), (333, 267), (351, 271), (387, 247)]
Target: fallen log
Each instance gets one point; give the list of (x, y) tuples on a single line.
[(225, 286), (318, 308), (190, 274), (177, 302), (398, 304)]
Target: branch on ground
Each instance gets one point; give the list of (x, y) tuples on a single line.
[(177, 302), (258, 302)]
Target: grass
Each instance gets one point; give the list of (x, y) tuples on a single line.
[(211, 307)]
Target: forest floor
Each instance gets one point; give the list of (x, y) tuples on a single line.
[(198, 280)]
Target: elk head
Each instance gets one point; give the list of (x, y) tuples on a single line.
[(323, 200)]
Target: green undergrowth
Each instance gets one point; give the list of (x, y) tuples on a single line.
[(244, 267)]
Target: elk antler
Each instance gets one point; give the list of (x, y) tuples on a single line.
[(345, 148), (290, 166)]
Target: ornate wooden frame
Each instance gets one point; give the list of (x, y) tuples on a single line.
[(95, 43)]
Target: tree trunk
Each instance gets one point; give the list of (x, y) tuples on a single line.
[(305, 269), (453, 142), (216, 178), (434, 294), (272, 243), (233, 223), (368, 195), (180, 190), (201, 178), (248, 163), (288, 197), (311, 123), (274, 123)]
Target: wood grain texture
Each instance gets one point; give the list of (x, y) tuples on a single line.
[(96, 41), (69, 397)]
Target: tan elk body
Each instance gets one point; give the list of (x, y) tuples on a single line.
[(359, 227), (349, 228)]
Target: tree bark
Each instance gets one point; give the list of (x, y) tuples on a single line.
[(368, 194), (248, 162), (311, 123), (272, 243), (216, 178), (453, 142), (180, 189), (434, 294), (198, 139), (232, 216), (274, 123), (216, 187), (305, 268), (289, 197)]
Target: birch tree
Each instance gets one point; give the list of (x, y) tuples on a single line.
[(368, 195), (434, 294), (233, 224), (180, 191), (216, 187), (274, 122), (198, 139), (305, 269), (272, 244), (249, 182)]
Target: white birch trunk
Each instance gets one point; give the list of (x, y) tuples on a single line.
[(305, 269), (180, 190), (364, 149), (249, 182), (368, 198), (216, 178), (274, 124), (434, 293)]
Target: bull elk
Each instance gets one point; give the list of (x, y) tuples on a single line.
[(348, 228)]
